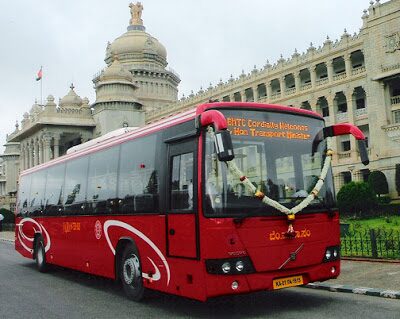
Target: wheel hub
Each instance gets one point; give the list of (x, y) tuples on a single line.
[(131, 269)]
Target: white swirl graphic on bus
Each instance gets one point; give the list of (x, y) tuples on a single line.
[(156, 276), (23, 238)]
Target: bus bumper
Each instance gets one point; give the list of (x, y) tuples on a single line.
[(218, 285)]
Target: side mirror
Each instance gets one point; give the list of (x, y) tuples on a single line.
[(223, 139), (343, 129), (362, 147), (223, 145)]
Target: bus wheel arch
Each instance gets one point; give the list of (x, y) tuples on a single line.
[(129, 269)]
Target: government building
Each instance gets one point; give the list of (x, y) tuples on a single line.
[(353, 79)]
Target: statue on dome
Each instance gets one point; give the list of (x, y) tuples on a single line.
[(136, 13)]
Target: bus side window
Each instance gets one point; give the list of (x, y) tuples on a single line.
[(23, 195), (182, 182), (138, 178), (36, 198), (102, 181), (75, 186), (53, 198)]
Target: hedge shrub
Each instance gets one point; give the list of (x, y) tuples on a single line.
[(9, 217), (356, 199)]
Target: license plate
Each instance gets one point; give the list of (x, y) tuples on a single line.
[(287, 282)]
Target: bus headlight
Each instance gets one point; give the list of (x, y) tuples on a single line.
[(230, 266), (239, 265), (328, 254), (226, 267), (332, 253)]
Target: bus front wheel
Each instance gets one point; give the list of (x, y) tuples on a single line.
[(40, 255), (131, 273)]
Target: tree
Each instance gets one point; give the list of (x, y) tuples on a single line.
[(8, 216), (397, 178), (356, 198), (377, 181)]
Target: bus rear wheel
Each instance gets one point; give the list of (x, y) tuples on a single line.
[(131, 273), (40, 256)]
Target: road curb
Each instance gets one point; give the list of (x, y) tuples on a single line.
[(393, 294), (7, 240)]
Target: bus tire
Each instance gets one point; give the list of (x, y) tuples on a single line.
[(131, 273), (40, 255)]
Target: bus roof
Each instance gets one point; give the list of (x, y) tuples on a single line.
[(164, 123)]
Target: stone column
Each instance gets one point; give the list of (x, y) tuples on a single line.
[(269, 90), (329, 68), (56, 145), (282, 83), (347, 63), (313, 75), (41, 157), (297, 80), (22, 157), (36, 151), (46, 147), (31, 150), (350, 117), (350, 105), (255, 93), (313, 104), (332, 119), (26, 164), (332, 108), (243, 95)]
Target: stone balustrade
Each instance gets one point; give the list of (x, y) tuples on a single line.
[(341, 117), (321, 82), (340, 76), (358, 70), (361, 112), (395, 100), (306, 87)]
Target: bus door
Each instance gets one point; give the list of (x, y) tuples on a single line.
[(182, 219)]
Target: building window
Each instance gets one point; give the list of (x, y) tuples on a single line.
[(262, 90), (342, 108), (325, 111), (364, 174), (237, 97), (346, 177), (345, 146), (396, 116), (360, 103)]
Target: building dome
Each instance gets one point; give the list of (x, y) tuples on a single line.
[(71, 99), (136, 45), (116, 72)]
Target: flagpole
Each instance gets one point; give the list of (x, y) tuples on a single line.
[(41, 87)]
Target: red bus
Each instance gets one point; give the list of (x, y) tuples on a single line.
[(228, 198)]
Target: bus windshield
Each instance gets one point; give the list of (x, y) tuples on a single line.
[(274, 150)]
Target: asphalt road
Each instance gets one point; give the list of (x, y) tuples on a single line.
[(26, 293)]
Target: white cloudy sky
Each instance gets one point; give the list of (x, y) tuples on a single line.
[(205, 39)]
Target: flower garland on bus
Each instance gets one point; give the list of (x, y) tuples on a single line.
[(290, 213)]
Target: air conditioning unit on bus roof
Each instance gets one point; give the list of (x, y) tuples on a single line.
[(101, 139)]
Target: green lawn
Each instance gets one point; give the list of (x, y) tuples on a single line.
[(387, 223)]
